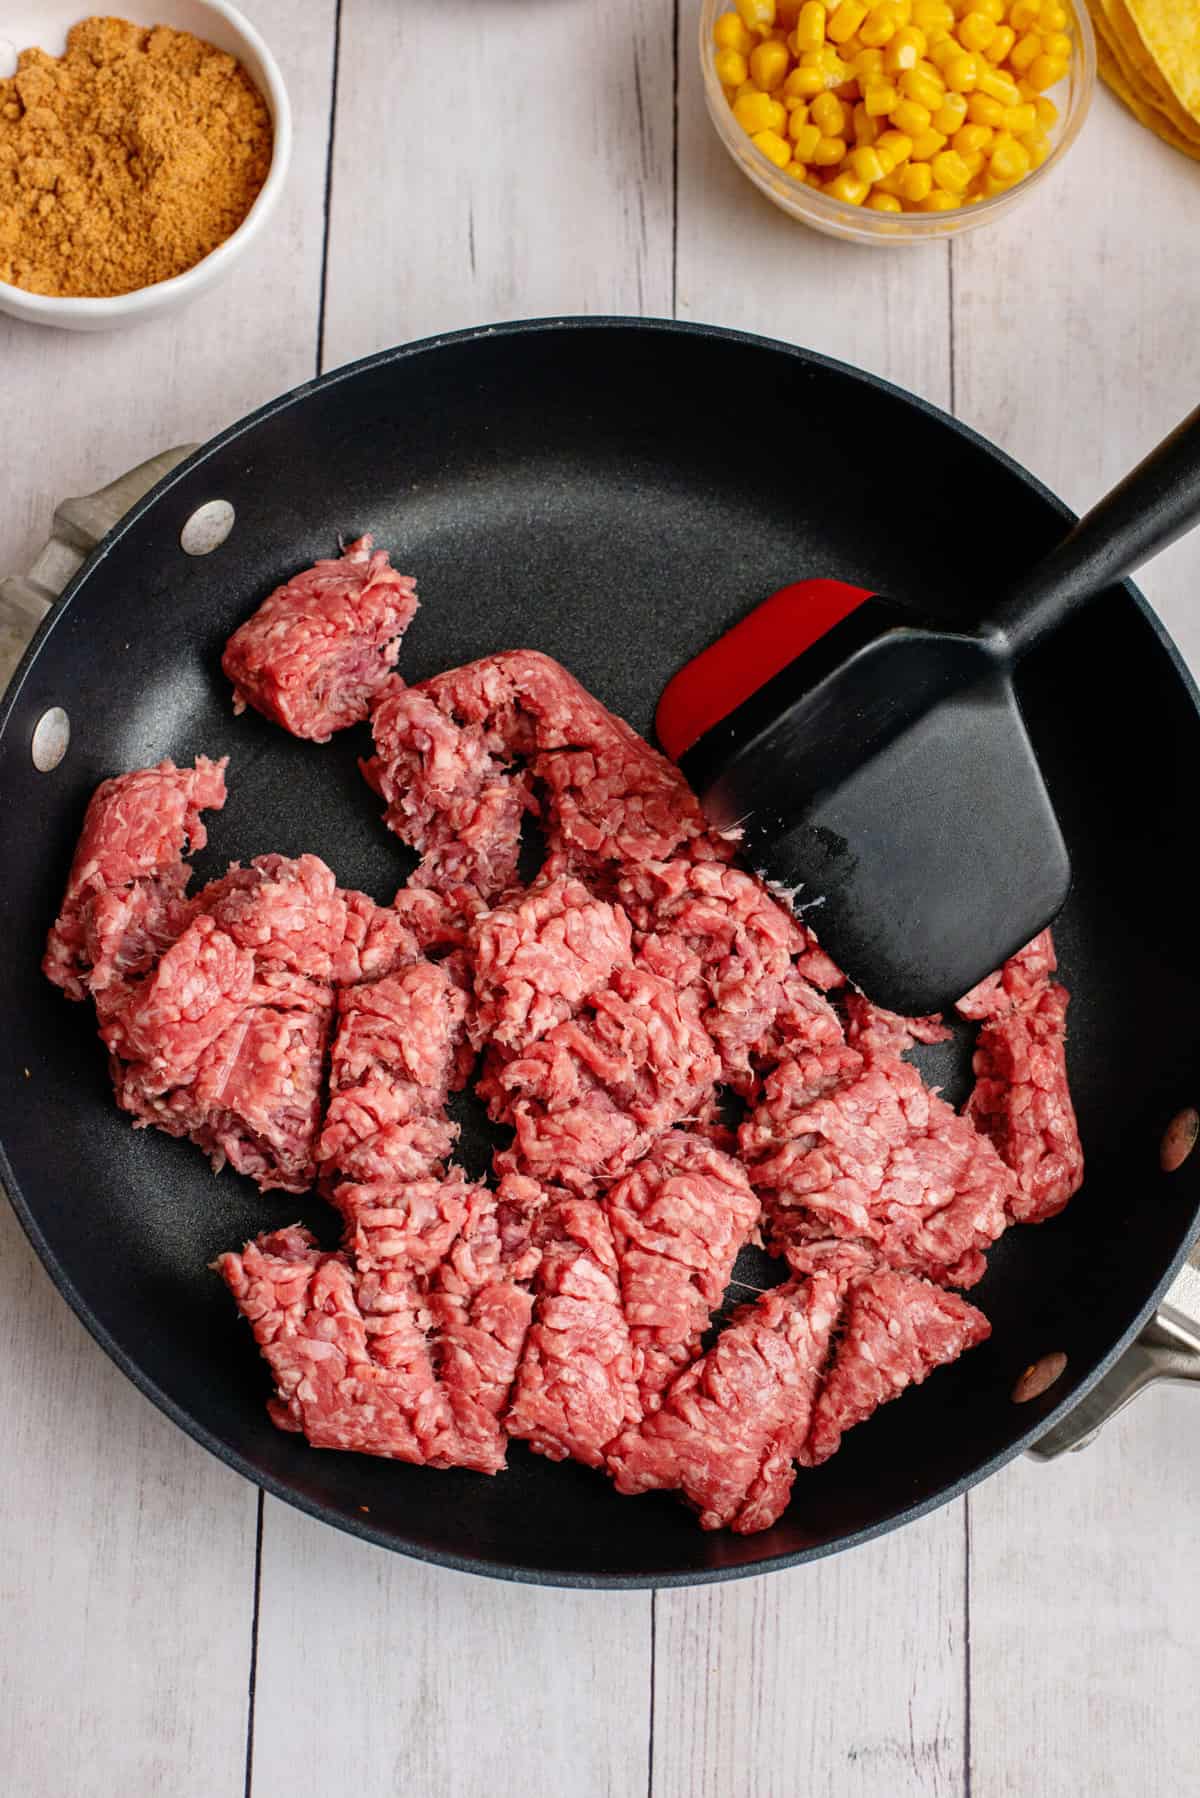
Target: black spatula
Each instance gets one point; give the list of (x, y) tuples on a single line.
[(885, 775)]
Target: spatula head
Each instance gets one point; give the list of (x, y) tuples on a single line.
[(885, 778)]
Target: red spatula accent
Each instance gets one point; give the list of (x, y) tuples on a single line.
[(714, 683)]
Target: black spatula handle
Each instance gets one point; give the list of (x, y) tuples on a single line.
[(1150, 508)]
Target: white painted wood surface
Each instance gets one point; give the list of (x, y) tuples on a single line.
[(493, 159)]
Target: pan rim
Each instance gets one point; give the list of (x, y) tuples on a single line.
[(362, 1528)]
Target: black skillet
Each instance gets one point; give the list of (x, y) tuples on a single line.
[(603, 490)]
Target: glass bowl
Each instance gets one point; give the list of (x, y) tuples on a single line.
[(837, 217)]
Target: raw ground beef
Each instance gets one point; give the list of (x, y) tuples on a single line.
[(874, 1030), (732, 1424), (1022, 1101), (588, 1098), (291, 912), (460, 758), (253, 1097), (576, 1388), (1022, 978), (399, 1050), (895, 1328), (1022, 1098), (538, 956), (124, 901), (406, 1345), (317, 651), (877, 1158), (678, 1220), (718, 930), (306, 1034), (785, 1379)]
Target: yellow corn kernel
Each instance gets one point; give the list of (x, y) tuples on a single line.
[(769, 63), (845, 20), (976, 31), (804, 142), (927, 90), (866, 129), (1047, 112), (950, 171), (747, 87), (894, 147), (889, 185), (1009, 160), (879, 26), (731, 68), (1025, 51), (829, 152), (756, 15), (939, 201), (877, 202), (1056, 43), (910, 116), (835, 70), (775, 148), (880, 98), (1019, 119), (1052, 17), (915, 182), (868, 67), (903, 11), (866, 164), (797, 171), (848, 187), (926, 145), (961, 72), (756, 112), (951, 114), (730, 34), (973, 138), (798, 121), (1023, 14), (804, 84), (1003, 41), (810, 26), (944, 51), (829, 114), (1038, 146), (1044, 72), (991, 9), (973, 164), (905, 50), (983, 110), (999, 86), (852, 47), (933, 12)]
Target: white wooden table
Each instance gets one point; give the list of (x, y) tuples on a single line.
[(163, 1630)]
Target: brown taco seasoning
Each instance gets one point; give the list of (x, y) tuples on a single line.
[(125, 161)]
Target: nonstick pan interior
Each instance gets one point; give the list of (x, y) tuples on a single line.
[(603, 491)]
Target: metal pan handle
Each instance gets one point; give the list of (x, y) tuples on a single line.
[(1167, 1349), (78, 526)]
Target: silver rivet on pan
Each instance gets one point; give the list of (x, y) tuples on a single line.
[(207, 528), (1039, 1377), (1179, 1139), (8, 59), (51, 735)]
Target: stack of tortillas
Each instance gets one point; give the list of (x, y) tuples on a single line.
[(1149, 54)]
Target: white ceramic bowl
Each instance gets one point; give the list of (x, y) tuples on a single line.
[(24, 23)]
